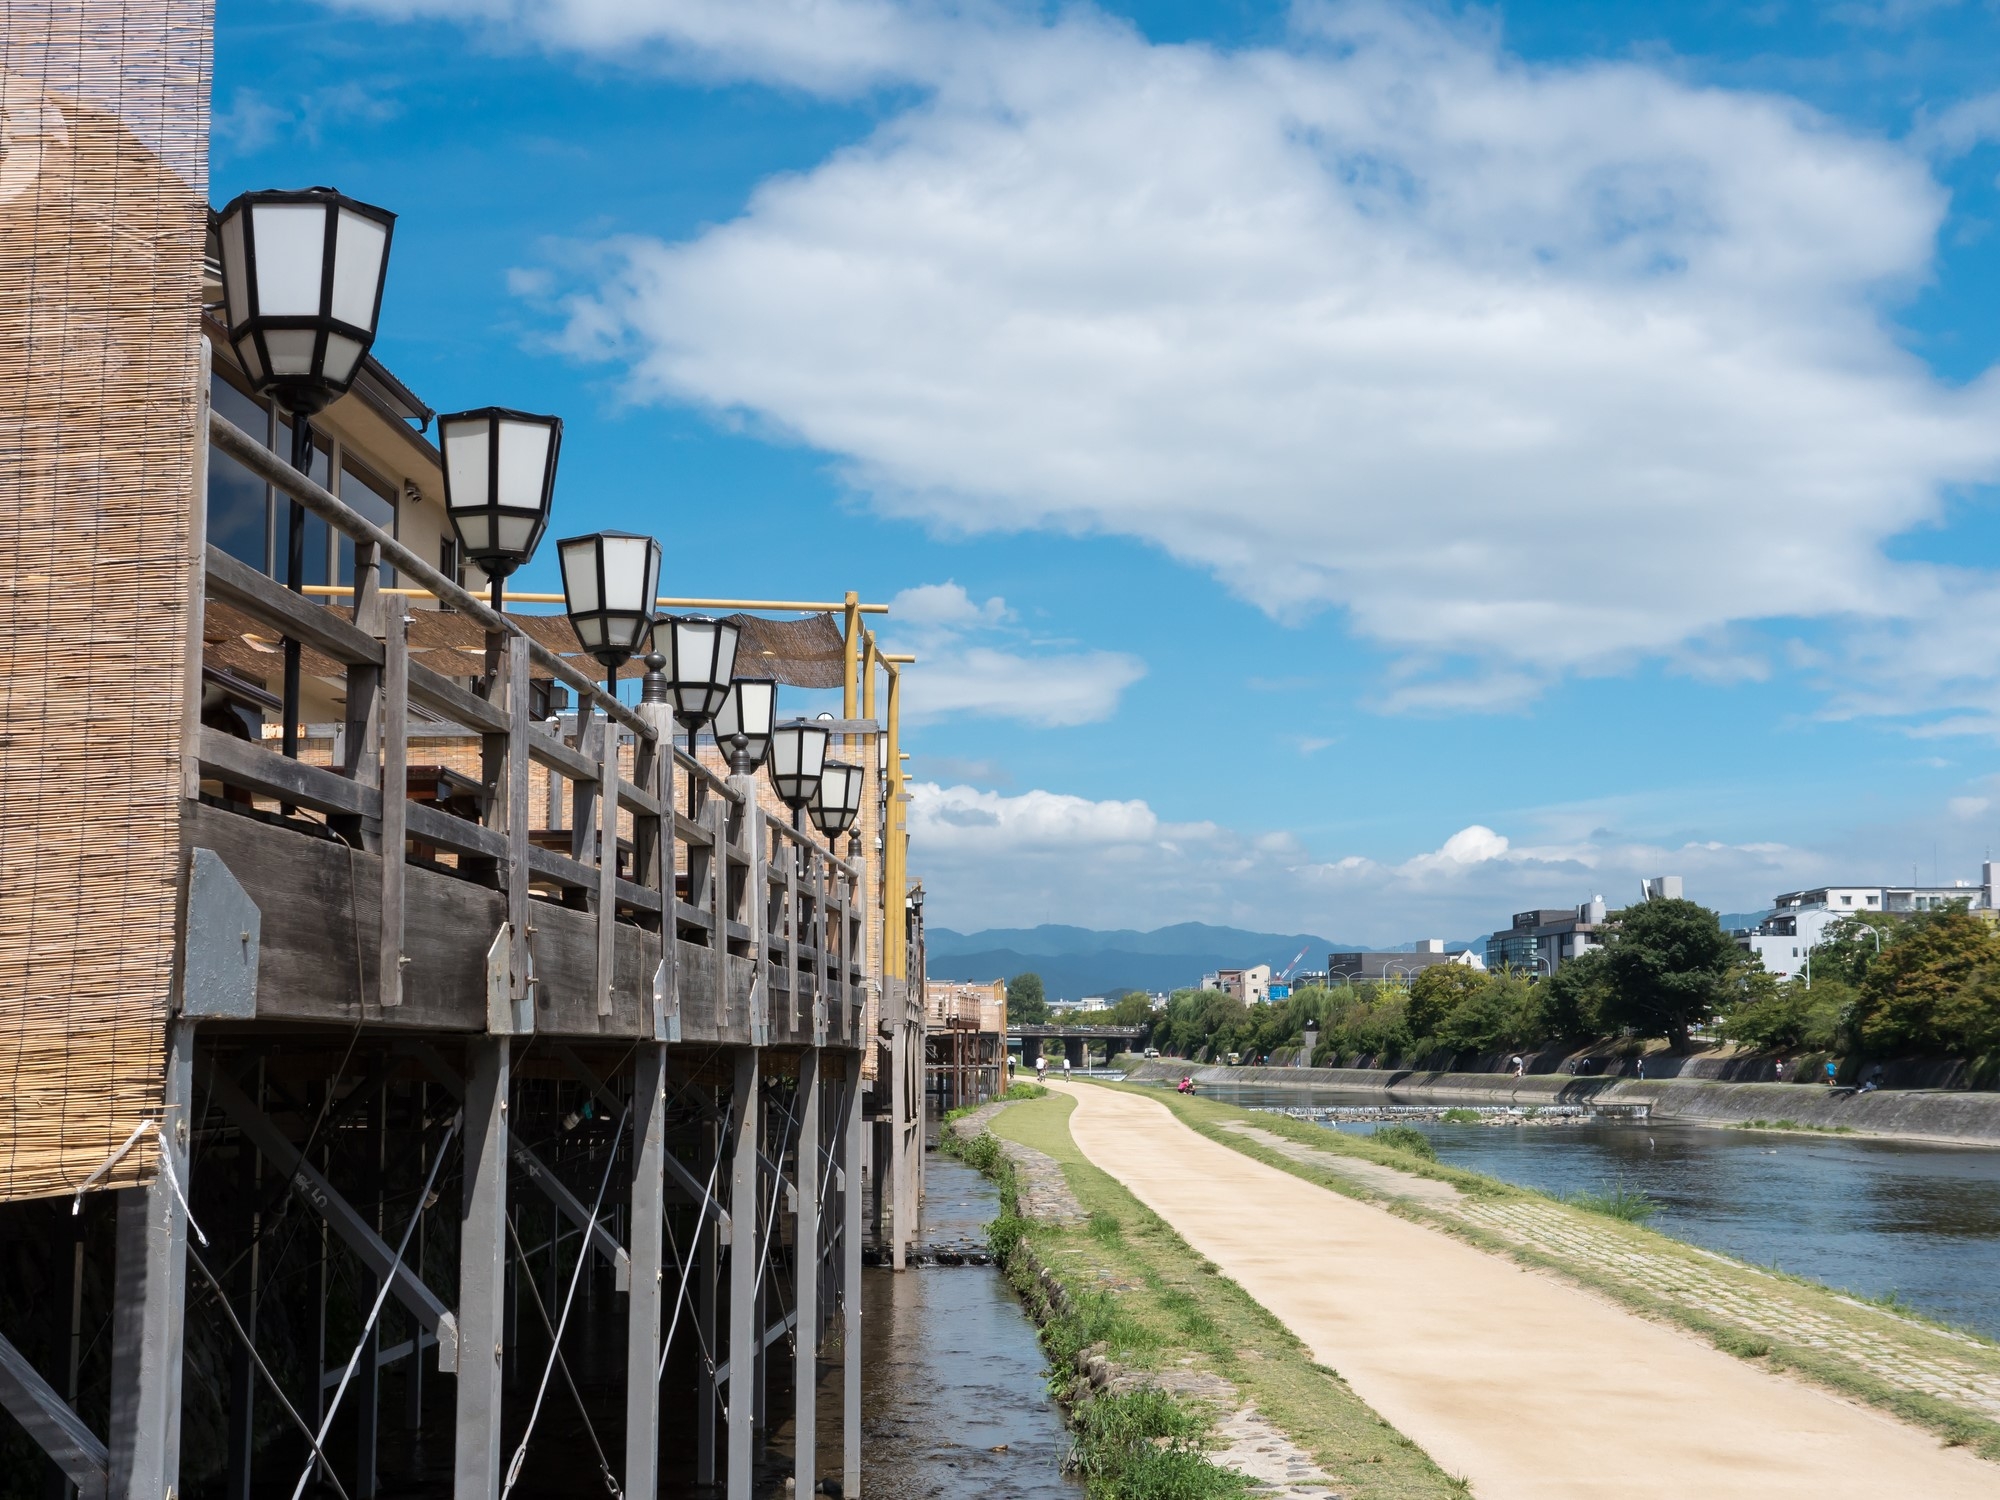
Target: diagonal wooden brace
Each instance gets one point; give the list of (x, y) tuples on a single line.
[(346, 1221), (57, 1430)]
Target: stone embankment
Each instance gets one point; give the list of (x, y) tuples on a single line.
[(1951, 1117)]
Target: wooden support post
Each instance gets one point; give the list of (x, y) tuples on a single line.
[(515, 815), (899, 1137), (708, 1234), (805, 1261), (365, 1395), (642, 1343), (395, 801), (583, 794), (850, 1282), (149, 1301), (743, 1330), (607, 864), (482, 1267)]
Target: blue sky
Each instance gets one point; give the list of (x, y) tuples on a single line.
[(1357, 468)]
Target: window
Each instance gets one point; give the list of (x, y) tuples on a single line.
[(239, 503), (1873, 899), (376, 501), (1846, 900), (314, 532), (448, 563)]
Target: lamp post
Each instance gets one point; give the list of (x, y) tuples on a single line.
[(499, 479), (743, 723), (797, 762), (838, 803), (609, 581), (302, 275)]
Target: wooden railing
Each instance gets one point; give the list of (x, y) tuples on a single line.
[(656, 840)]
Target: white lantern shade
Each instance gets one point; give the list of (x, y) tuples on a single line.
[(798, 758), (701, 661), (748, 711), (302, 276), (609, 581), (838, 803), (499, 481)]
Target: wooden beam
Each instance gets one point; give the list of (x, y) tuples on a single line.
[(239, 763), (395, 803), (239, 584)]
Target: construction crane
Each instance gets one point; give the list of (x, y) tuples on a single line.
[(1286, 977)]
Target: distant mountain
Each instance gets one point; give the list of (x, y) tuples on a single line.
[(1078, 961)]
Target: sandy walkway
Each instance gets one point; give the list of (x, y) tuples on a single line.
[(1532, 1389)]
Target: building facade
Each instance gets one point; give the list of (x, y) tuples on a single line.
[(1400, 964), (1543, 940), (1799, 920)]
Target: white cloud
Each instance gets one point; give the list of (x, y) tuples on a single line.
[(1530, 369), (995, 859), (961, 671)]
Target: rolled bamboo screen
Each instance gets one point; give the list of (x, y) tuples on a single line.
[(103, 193)]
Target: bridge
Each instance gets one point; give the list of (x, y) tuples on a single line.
[(1074, 1040)]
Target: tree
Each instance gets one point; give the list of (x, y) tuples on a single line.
[(1436, 992), (1026, 1004), (1569, 1004), (1134, 1008), (1934, 989), (1668, 963)]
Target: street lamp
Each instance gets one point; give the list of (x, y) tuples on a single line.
[(743, 723), (798, 761), (609, 581), (839, 801), (499, 477), (302, 277), (698, 656)]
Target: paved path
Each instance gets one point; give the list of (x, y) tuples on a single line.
[(1532, 1389)]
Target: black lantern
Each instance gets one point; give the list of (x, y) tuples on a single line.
[(700, 658), (798, 759), (743, 722), (499, 477), (838, 804), (302, 285), (609, 581)]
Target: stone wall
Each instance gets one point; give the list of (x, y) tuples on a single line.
[(1954, 1117)]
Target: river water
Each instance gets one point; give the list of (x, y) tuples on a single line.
[(1868, 1216), (952, 1370)]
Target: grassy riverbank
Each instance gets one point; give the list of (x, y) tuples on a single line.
[(1943, 1379), (1159, 1309)]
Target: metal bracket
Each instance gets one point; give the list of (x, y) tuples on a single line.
[(666, 1006), (510, 986), (219, 942), (57, 1431)]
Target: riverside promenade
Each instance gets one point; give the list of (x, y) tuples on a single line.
[(1527, 1386)]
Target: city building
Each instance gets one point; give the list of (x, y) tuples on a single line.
[(1799, 919), (1400, 964), (965, 1042), (1543, 940), (1252, 985)]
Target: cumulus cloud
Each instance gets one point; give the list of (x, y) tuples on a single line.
[(996, 859), (963, 671), (1528, 369)]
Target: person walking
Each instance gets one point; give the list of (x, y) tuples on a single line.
[(1517, 1063), (1041, 1068), (1781, 1070), (1065, 1065), (1832, 1073)]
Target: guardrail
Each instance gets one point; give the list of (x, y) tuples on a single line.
[(666, 845)]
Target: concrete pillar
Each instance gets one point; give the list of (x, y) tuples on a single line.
[(805, 1242), (899, 1114), (642, 1346), (850, 1281), (743, 1333), (482, 1271), (708, 1273), (149, 1302)]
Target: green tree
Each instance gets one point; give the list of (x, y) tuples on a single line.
[(1569, 1004), (1784, 1016), (1934, 990), (1437, 992), (1669, 963), (1135, 1008), (1026, 1004)]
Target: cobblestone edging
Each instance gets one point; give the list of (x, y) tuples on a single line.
[(1248, 1442)]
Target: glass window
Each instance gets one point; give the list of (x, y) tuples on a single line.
[(238, 502), (374, 499)]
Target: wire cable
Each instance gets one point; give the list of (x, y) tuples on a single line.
[(527, 1279), (569, 1301)]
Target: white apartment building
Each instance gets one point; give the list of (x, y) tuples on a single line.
[(1800, 919)]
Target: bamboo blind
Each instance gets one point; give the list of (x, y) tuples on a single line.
[(103, 192)]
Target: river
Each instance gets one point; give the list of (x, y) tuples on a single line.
[(954, 1402), (1869, 1216)]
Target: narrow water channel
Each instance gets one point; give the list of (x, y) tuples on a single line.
[(1868, 1216), (954, 1403)]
